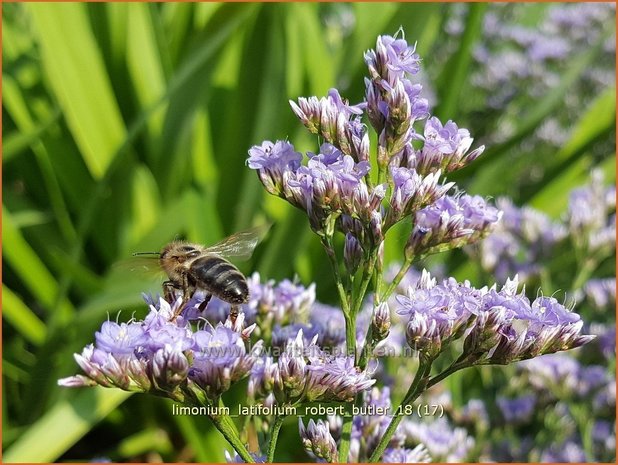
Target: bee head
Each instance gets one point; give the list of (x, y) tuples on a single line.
[(178, 252)]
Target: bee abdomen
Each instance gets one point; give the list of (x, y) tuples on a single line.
[(222, 279)]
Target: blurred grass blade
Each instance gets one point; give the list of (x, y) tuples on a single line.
[(153, 439), (207, 447), (118, 18), (144, 63), (372, 19), (319, 62), (17, 142), (27, 265), (571, 168), (63, 425), (553, 198), (77, 76), (204, 165), (17, 313), (146, 204), (454, 73), (84, 279), (598, 118)]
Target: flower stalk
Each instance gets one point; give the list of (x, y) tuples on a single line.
[(416, 389), (274, 436)]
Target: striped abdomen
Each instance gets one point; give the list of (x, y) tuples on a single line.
[(219, 277)]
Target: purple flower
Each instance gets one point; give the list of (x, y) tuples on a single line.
[(562, 375), (238, 459), (335, 378), (412, 192), (273, 162), (164, 355), (403, 455), (591, 214), (451, 222), (518, 410), (521, 241), (381, 322), (601, 292), (220, 359), (443, 442), (270, 303), (497, 326), (369, 426), (336, 121), (303, 372), (603, 434), (445, 148), (392, 59), (474, 412), (169, 368), (329, 324), (568, 452)]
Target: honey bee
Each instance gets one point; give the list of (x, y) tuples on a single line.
[(191, 267)]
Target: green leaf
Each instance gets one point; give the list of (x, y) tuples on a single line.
[(553, 198), (143, 442), (17, 313), (454, 73), (598, 118), (64, 424), (207, 447), (77, 76), (146, 204), (25, 262), (144, 63), (17, 142), (318, 61), (571, 167)]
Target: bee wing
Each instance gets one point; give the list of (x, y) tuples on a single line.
[(240, 244), (146, 266)]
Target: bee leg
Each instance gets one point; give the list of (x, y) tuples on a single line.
[(233, 314), (187, 293), (169, 288), (204, 304)]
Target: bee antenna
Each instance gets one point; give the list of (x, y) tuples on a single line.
[(135, 254)]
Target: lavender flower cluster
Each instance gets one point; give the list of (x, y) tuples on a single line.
[(513, 60), (497, 327), (526, 239), (166, 356), (305, 373), (415, 441), (337, 186)]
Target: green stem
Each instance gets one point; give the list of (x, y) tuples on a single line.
[(362, 290), (367, 349), (350, 337), (226, 427), (274, 435), (584, 272), (346, 432), (446, 373), (332, 258), (416, 388), (395, 282)]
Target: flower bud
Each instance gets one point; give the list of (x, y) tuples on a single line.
[(381, 322), (352, 253), (169, 369), (317, 440)]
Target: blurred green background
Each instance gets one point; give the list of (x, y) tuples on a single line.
[(127, 125)]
